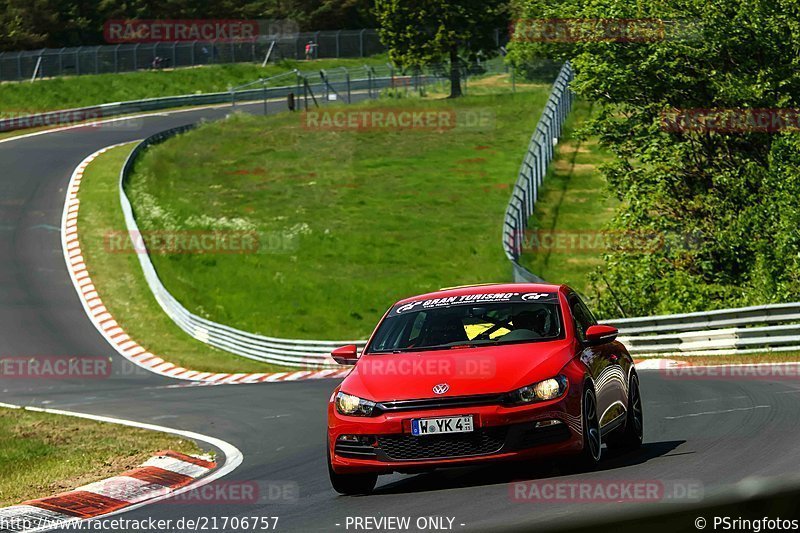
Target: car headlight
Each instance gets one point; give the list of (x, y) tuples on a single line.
[(347, 404), (548, 389)]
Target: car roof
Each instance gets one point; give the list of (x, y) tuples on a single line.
[(485, 288)]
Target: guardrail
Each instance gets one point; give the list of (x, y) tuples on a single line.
[(753, 329), (531, 175), (367, 78), (777, 327), (102, 111), (286, 352)]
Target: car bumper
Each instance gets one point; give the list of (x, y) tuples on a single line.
[(384, 444)]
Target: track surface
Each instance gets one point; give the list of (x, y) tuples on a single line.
[(737, 428)]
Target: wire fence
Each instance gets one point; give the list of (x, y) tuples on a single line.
[(109, 59), (538, 156)]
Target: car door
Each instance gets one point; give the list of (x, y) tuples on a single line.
[(604, 365)]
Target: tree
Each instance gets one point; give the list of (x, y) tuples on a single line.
[(420, 32), (724, 203)]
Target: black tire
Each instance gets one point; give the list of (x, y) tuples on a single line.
[(592, 442), (630, 436), (351, 484)]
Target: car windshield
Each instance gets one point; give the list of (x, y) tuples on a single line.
[(472, 320)]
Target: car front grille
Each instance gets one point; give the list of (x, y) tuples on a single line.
[(410, 447), (439, 403)]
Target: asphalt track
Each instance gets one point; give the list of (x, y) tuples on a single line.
[(718, 432)]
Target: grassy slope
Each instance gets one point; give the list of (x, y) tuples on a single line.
[(78, 91), (42, 454), (121, 285), (575, 200), (353, 220)]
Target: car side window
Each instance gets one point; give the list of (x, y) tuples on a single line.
[(582, 316)]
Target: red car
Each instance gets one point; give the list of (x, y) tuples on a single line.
[(477, 374)]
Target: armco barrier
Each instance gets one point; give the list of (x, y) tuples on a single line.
[(341, 81), (286, 352), (753, 329), (533, 170), (102, 111), (729, 331)]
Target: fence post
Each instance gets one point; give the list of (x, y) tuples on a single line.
[(316, 45), (78, 60), (338, 34), (97, 60), (61, 62), (174, 54), (136, 56), (513, 79), (361, 43)]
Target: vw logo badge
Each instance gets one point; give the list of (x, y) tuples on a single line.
[(441, 388)]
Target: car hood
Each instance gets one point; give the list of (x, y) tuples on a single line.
[(466, 371)]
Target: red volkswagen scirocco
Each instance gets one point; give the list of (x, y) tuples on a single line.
[(481, 373)]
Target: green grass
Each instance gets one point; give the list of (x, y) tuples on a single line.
[(43, 454), (352, 220), (121, 285), (79, 91), (575, 202)]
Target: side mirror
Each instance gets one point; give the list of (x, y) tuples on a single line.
[(600, 334), (346, 355)]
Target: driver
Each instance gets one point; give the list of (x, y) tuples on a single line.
[(535, 321)]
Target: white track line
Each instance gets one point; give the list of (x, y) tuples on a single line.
[(717, 412), (233, 457), (104, 322)]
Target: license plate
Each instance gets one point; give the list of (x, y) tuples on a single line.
[(439, 426)]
